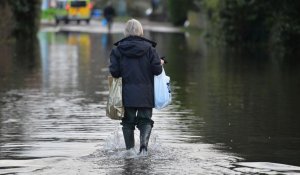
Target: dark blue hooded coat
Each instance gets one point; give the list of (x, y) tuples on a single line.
[(136, 61)]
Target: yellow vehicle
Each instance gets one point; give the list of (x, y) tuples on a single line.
[(75, 10)]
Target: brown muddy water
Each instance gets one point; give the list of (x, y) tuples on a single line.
[(233, 111)]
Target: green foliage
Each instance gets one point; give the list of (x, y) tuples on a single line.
[(212, 9), (211, 4), (178, 10), (52, 12), (255, 21), (286, 23), (244, 21)]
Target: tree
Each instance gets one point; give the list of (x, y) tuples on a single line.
[(26, 17), (6, 23), (19, 18)]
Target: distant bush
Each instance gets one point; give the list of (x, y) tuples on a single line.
[(178, 10), (52, 12), (244, 21), (286, 23), (254, 21)]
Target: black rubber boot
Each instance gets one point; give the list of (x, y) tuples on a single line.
[(145, 131), (128, 137)]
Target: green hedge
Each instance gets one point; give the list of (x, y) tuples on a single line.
[(254, 21), (52, 12), (178, 10)]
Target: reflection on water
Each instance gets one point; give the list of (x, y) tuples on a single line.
[(235, 111)]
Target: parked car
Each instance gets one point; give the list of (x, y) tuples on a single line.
[(75, 10)]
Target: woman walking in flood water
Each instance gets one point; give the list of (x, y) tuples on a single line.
[(135, 60)]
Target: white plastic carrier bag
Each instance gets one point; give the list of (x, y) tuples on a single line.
[(162, 90), (114, 108)]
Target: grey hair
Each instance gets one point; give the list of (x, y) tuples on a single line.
[(133, 28)]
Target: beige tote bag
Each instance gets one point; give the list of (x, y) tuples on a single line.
[(114, 108)]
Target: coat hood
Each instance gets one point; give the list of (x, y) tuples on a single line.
[(134, 46)]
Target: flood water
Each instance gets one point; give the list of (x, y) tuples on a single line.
[(233, 111)]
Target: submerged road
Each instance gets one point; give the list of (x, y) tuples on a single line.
[(232, 112)]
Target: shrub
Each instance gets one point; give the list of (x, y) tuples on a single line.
[(178, 10)]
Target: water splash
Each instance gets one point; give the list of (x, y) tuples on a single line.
[(115, 145), (115, 140)]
